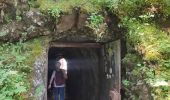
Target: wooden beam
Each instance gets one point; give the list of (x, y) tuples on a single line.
[(76, 45)]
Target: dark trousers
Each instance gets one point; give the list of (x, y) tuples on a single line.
[(59, 93)]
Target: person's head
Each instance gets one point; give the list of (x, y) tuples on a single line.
[(60, 55), (57, 65)]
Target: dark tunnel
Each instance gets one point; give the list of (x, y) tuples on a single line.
[(84, 70)]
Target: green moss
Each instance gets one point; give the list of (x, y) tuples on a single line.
[(148, 40), (153, 45), (35, 48), (67, 5), (131, 58)]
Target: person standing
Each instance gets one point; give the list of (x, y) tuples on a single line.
[(58, 78)]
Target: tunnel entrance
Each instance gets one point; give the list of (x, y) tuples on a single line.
[(90, 70), (83, 70)]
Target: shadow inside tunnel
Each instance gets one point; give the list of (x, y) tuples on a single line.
[(83, 72)]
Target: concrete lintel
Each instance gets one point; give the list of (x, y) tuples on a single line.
[(76, 45)]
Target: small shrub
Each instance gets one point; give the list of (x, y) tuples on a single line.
[(18, 18), (95, 20), (54, 12)]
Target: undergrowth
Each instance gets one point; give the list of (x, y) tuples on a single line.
[(16, 64)]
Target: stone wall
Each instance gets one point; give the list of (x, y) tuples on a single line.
[(40, 70), (40, 76), (24, 22)]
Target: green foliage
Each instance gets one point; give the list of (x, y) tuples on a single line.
[(164, 6), (39, 89), (13, 71), (142, 8), (161, 93), (167, 9), (145, 9), (66, 5), (153, 44), (102, 4), (147, 17), (86, 5), (148, 39), (166, 63), (95, 20), (11, 84), (131, 58), (126, 82), (8, 18), (18, 18), (33, 3), (16, 65), (144, 72), (130, 7), (3, 33), (54, 12)]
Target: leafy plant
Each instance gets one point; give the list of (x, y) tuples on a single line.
[(2, 33), (18, 18), (8, 18), (16, 63), (11, 84), (126, 82), (95, 20), (152, 44), (54, 12)]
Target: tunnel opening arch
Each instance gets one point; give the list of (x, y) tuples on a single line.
[(108, 75)]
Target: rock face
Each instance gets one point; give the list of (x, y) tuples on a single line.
[(19, 21), (40, 77)]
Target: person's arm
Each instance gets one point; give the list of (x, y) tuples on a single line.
[(51, 80)]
